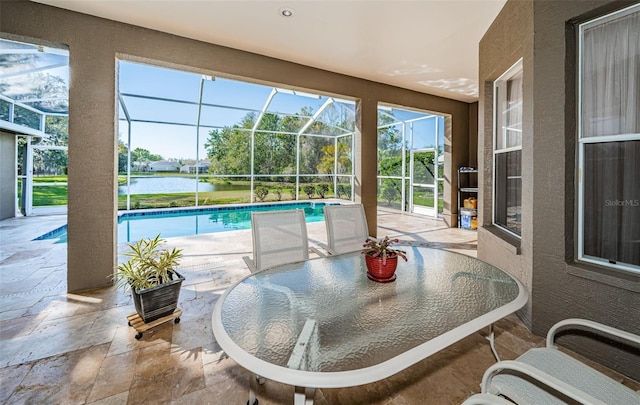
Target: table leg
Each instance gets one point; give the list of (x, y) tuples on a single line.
[(253, 387), (491, 339), (303, 396)]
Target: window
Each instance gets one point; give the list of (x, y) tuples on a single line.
[(507, 150), (609, 140)]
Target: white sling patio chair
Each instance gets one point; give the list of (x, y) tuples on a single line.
[(346, 228), (486, 399), (549, 376), (279, 237)]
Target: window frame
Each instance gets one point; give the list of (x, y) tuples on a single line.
[(582, 141), (499, 83)]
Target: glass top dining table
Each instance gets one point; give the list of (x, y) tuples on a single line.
[(323, 323)]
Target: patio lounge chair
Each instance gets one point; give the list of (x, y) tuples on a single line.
[(279, 237), (549, 376), (346, 228)]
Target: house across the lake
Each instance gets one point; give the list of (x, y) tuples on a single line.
[(201, 167), (164, 166)]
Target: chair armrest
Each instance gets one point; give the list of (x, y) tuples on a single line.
[(540, 376), (486, 399), (319, 252), (249, 262), (590, 325), (326, 248)]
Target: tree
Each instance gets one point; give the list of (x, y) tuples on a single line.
[(47, 93), (309, 190), (261, 192), (390, 165), (123, 151), (343, 190), (274, 152), (390, 191), (275, 143), (53, 161), (229, 149), (52, 91), (322, 189), (143, 155), (278, 192), (389, 147), (327, 159)]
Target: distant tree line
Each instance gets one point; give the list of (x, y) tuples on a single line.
[(275, 145)]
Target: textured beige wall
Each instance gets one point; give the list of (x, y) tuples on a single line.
[(95, 44), (561, 288), (473, 135), (7, 175), (509, 38)]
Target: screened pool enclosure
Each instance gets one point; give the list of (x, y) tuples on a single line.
[(186, 139), (245, 142)]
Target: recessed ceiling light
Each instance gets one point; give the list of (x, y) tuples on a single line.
[(286, 12)]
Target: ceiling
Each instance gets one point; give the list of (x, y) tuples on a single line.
[(429, 46)]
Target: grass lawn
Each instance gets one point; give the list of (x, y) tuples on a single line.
[(50, 179), (49, 195), (57, 195)]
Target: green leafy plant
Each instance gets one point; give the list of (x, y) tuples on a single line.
[(309, 190), (343, 190), (278, 192), (322, 189), (261, 192), (148, 265), (390, 193), (382, 248)]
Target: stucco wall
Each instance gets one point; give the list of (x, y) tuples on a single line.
[(561, 287), (94, 46), (473, 135), (508, 39), (7, 175)]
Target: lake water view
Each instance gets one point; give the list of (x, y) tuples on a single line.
[(174, 184)]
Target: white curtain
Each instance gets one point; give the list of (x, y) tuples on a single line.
[(513, 118), (611, 77), (611, 106)]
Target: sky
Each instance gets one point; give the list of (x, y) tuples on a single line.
[(159, 84), (243, 97)]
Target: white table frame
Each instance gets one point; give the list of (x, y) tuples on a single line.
[(307, 381)]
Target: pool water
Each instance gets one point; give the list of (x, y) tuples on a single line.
[(133, 226)]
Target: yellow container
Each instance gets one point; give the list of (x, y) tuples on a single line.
[(471, 203), (474, 223)]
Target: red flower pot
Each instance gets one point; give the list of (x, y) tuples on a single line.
[(376, 271)]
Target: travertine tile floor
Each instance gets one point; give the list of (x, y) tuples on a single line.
[(59, 348)]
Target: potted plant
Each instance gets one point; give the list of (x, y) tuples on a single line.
[(151, 276), (381, 259)]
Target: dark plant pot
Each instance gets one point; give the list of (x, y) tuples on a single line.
[(155, 302), (381, 273)]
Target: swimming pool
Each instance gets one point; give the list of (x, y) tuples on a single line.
[(133, 226)]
